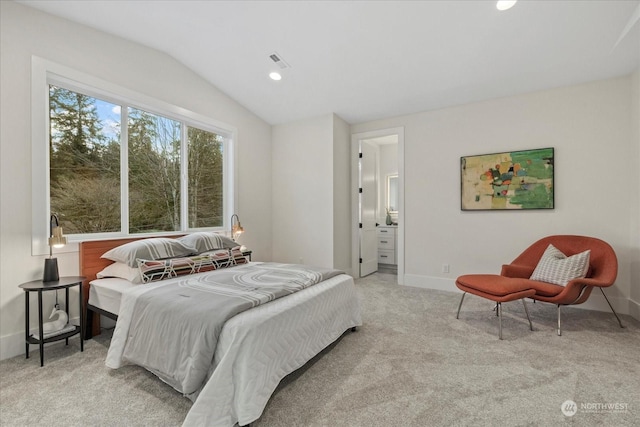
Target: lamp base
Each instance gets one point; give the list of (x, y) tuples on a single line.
[(50, 270)]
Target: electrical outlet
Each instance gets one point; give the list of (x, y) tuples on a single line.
[(445, 268)]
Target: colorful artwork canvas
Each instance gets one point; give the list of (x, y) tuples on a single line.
[(508, 181)]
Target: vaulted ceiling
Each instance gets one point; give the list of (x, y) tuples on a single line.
[(366, 60)]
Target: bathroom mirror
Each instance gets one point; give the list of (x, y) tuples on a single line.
[(392, 193)]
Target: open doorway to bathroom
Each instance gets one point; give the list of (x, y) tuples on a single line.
[(387, 220), (378, 202)]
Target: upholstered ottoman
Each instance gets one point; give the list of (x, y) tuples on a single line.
[(498, 289)]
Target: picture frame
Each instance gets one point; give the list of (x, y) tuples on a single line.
[(512, 180)]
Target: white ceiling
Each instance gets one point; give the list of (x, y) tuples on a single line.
[(366, 60)]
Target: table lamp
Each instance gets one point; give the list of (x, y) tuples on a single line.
[(56, 240), (236, 227)]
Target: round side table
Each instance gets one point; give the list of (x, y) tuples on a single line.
[(39, 286)]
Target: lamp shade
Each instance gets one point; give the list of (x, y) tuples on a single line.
[(236, 227), (57, 238)]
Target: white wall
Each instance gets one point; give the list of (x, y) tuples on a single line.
[(596, 188), (341, 195), (302, 159), (311, 192), (26, 32)]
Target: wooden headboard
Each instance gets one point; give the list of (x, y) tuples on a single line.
[(91, 264)]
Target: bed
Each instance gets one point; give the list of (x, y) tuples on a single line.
[(255, 348)]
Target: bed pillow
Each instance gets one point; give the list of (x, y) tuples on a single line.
[(154, 270), (155, 248), (122, 271), (559, 269), (205, 241), (222, 258)]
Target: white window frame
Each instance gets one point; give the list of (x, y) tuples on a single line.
[(44, 73)]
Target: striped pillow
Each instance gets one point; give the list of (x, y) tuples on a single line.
[(155, 248), (227, 257), (154, 270), (205, 241), (557, 268)]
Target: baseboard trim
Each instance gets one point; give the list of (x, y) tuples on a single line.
[(429, 282), (13, 345), (634, 309), (595, 302)]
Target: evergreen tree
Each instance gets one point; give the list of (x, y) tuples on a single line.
[(84, 165), (76, 134)]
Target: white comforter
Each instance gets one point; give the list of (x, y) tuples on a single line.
[(259, 347)]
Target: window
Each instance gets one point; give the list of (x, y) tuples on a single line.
[(88, 147), (84, 162), (118, 163), (206, 178)]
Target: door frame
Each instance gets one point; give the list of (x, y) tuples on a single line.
[(355, 241)]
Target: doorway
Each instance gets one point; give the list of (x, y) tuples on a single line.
[(371, 200)]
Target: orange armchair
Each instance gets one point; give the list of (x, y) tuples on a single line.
[(603, 269)]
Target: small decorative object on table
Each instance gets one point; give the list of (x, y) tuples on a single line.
[(51, 328), (388, 220)]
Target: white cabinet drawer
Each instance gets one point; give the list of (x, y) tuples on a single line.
[(386, 242), (387, 253), (385, 231), (386, 256)]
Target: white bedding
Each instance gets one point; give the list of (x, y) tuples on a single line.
[(254, 350), (106, 293)]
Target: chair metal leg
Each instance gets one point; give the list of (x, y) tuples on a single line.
[(527, 311), (499, 310), (559, 328), (460, 305), (611, 307)]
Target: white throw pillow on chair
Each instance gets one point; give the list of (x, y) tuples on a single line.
[(559, 269)]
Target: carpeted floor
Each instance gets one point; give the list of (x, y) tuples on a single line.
[(411, 364)]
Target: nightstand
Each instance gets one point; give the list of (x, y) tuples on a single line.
[(40, 286)]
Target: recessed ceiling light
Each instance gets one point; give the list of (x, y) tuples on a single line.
[(505, 4), (275, 76)]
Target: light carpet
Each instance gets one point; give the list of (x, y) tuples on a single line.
[(412, 363)]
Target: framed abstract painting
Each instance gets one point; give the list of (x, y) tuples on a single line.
[(512, 180)]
